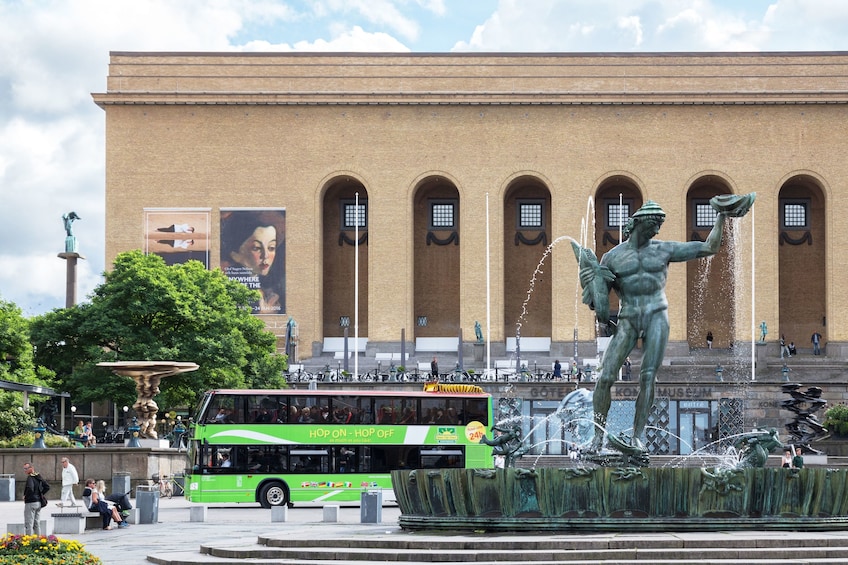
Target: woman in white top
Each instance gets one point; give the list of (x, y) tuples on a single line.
[(786, 460)]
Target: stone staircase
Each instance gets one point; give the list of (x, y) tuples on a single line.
[(381, 544)]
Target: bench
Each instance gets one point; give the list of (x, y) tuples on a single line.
[(337, 344), (72, 522), (530, 344), (295, 368), (423, 367), (436, 344), (389, 357), (505, 365)]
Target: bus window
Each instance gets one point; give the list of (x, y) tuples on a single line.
[(347, 409), (239, 459), (408, 411), (390, 410), (308, 459), (476, 410), (345, 459), (201, 411), (267, 459), (442, 458), (441, 411), (308, 410)]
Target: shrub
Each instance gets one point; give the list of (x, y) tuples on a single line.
[(836, 420), (26, 439), (13, 422), (43, 550)]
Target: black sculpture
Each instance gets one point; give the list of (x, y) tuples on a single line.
[(805, 427)]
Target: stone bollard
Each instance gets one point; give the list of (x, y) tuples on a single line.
[(133, 516), (279, 513), (331, 513), (197, 513)]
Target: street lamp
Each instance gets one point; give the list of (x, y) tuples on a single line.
[(134, 430)]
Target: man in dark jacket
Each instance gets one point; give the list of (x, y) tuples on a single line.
[(35, 487)]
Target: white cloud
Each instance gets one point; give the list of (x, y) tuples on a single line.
[(817, 25), (611, 26), (634, 25), (384, 13), (347, 40)]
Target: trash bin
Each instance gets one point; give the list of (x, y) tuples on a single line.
[(7, 488), (147, 502), (121, 483), (371, 506)]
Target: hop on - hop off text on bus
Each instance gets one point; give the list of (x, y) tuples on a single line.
[(281, 447)]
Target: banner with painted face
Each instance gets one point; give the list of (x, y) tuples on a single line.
[(253, 253)]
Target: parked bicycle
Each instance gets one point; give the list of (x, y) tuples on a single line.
[(166, 485)]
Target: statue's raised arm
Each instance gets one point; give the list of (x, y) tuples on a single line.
[(595, 279), (68, 220)]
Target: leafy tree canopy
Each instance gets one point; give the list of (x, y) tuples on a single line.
[(16, 360), (149, 311), (16, 365)]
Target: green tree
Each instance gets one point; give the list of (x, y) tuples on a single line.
[(149, 311), (16, 365)]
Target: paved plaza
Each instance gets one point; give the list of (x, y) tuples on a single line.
[(174, 531), (175, 537)]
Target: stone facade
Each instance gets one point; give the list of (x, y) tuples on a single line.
[(307, 132)]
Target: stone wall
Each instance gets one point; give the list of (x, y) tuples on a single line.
[(95, 463)]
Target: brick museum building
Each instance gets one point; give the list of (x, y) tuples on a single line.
[(451, 184)]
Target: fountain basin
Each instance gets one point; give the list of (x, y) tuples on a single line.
[(622, 499)]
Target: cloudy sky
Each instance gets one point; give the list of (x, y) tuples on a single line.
[(54, 54)]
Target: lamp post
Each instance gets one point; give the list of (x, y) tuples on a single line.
[(179, 430), (134, 429), (39, 435), (125, 409)]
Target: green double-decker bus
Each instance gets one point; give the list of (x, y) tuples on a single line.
[(278, 447)]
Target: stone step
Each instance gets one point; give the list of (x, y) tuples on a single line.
[(415, 549)]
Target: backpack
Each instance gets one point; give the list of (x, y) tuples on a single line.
[(44, 486)]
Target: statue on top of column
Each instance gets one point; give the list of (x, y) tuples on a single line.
[(70, 240)]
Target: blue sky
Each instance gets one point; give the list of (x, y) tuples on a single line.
[(54, 54)]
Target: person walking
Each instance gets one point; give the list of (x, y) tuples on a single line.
[(816, 341), (784, 349), (557, 370), (709, 340), (70, 478), (434, 369), (33, 490)]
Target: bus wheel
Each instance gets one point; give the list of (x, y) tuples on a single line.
[(273, 494)]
